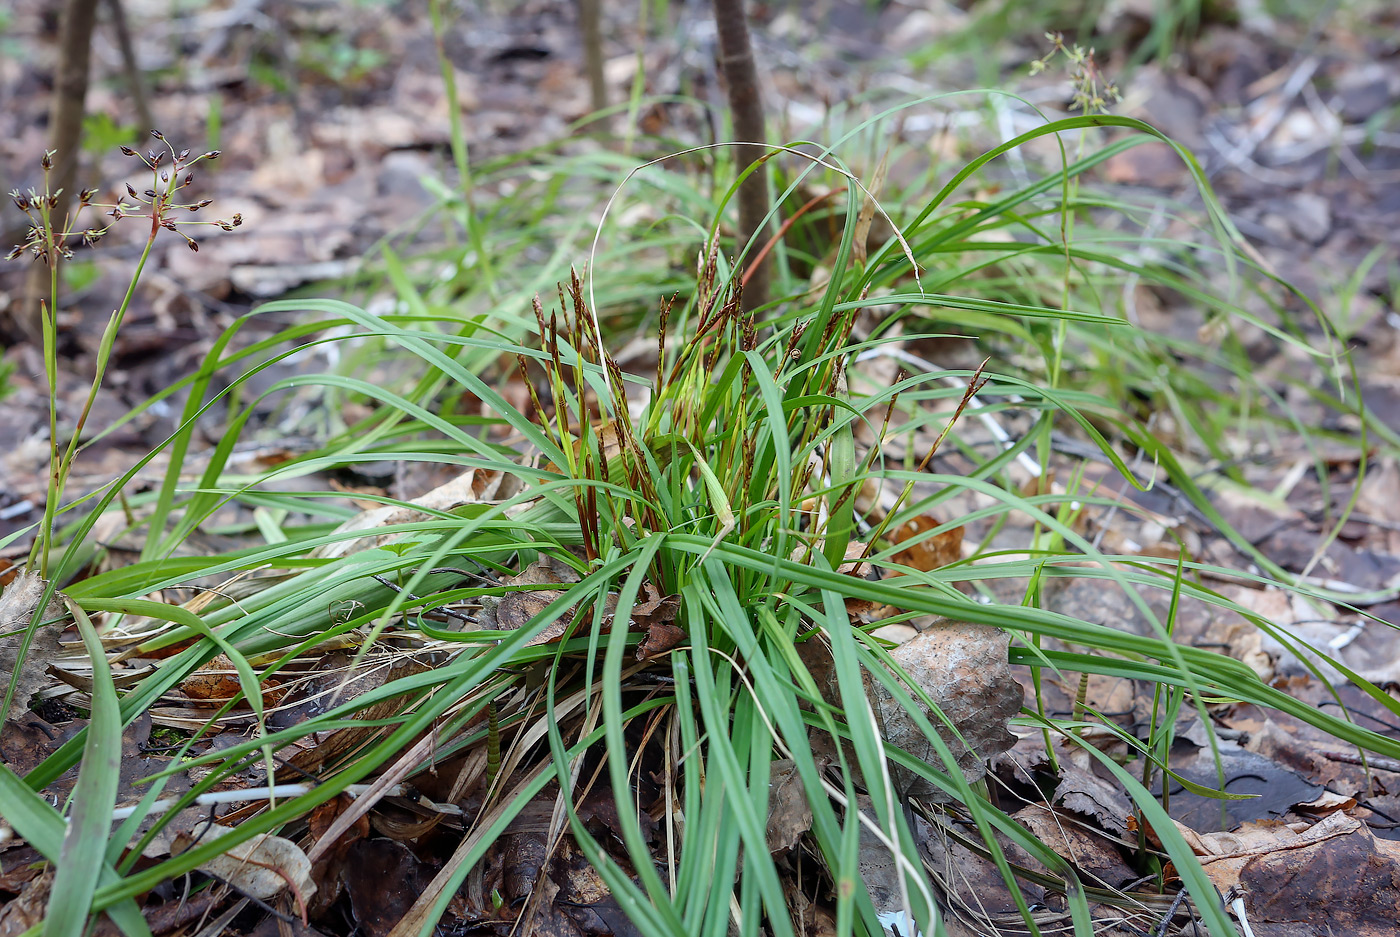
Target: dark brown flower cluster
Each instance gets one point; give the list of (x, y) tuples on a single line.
[(171, 173), (45, 240)]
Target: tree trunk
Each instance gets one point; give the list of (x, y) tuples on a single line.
[(70, 93), (135, 79), (65, 138), (746, 107), (589, 14)]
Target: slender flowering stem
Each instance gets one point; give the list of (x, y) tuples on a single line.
[(47, 241)]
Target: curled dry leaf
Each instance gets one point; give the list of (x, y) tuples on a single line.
[(1225, 854), (261, 868), (661, 638), (657, 614), (1083, 792), (216, 682), (17, 604), (928, 553), (963, 668), (1327, 802)]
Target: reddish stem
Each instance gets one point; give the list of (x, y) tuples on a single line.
[(812, 203)]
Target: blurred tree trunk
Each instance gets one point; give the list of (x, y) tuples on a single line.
[(65, 138), (746, 106), (135, 80), (589, 17), (70, 93)]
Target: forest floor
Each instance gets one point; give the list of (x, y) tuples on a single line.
[(329, 115)]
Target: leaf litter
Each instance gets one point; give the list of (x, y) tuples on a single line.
[(1295, 872)]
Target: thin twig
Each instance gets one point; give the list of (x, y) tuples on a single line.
[(1374, 762)]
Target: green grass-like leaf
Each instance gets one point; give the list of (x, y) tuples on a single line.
[(726, 475)]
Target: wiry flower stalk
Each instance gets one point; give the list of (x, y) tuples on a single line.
[(48, 240)]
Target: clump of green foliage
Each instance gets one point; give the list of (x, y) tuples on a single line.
[(724, 476)]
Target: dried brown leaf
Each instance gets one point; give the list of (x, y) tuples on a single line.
[(472, 486), (261, 867), (1085, 793), (17, 604), (789, 811), (382, 878), (328, 871), (1347, 883), (1090, 851), (931, 552)]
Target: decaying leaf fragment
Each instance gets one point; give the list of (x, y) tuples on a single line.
[(17, 604), (929, 553), (1332, 876), (261, 868), (789, 810), (26, 912)]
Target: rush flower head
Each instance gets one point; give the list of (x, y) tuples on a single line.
[(48, 237)]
